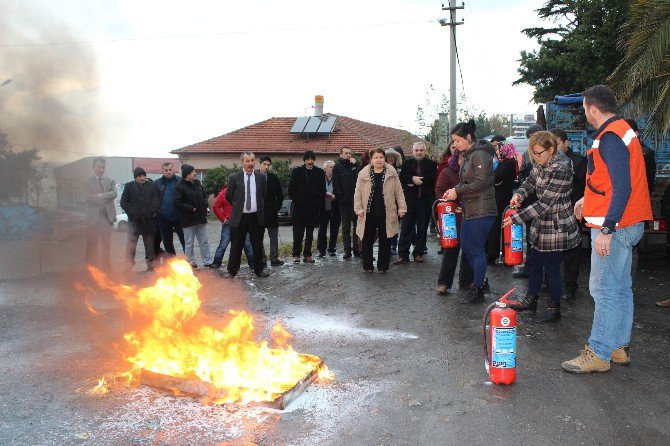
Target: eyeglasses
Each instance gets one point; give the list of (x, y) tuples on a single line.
[(539, 153)]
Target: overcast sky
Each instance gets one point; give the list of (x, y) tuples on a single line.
[(170, 73)]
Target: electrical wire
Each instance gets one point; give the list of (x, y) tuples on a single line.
[(217, 34)]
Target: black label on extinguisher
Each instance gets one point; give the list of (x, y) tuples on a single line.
[(503, 347)]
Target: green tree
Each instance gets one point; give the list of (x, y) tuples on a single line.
[(283, 170), (18, 174), (217, 177), (643, 77), (576, 53)]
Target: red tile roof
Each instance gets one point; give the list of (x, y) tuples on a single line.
[(273, 136), (154, 165)]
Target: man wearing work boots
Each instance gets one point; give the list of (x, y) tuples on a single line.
[(615, 206)]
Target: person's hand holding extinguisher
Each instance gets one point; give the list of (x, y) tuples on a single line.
[(515, 202)]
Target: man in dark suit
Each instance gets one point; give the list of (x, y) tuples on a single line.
[(141, 203), (273, 203), (418, 177), (307, 189), (100, 214), (247, 192)]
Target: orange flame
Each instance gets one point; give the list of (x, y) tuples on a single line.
[(172, 341)]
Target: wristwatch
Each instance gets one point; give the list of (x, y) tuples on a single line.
[(606, 231)]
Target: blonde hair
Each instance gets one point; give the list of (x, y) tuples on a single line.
[(544, 139)]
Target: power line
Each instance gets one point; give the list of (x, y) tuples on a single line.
[(217, 34)]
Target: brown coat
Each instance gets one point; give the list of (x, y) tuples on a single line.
[(394, 199)]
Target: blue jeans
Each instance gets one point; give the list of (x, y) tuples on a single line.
[(549, 263), (223, 245), (611, 286), (474, 233), (190, 234)]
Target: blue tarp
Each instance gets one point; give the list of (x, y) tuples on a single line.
[(574, 98), (23, 222)]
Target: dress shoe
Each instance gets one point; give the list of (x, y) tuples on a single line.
[(347, 256), (663, 303), (322, 255), (229, 276), (212, 265), (263, 274), (401, 261), (369, 270), (332, 253), (276, 262), (308, 259), (382, 271), (357, 254), (442, 289), (418, 259)]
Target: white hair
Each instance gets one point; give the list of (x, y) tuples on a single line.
[(247, 153), (328, 162)]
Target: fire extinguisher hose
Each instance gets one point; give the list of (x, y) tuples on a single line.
[(487, 358)]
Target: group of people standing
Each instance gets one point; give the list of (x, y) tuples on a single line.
[(389, 199)]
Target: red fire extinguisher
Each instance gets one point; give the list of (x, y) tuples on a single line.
[(446, 222), (500, 344), (512, 240)]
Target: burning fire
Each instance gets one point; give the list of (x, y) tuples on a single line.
[(172, 340)]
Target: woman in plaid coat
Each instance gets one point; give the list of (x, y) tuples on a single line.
[(554, 228)]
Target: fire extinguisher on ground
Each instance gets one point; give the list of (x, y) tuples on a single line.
[(446, 223), (500, 343), (511, 242)]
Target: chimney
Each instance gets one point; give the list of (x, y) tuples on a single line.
[(318, 105)]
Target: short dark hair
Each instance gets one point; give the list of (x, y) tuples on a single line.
[(344, 147), (633, 124), (99, 159), (560, 134), (602, 97), (266, 158), (498, 138), (165, 164), (463, 129)]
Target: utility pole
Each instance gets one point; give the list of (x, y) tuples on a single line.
[(452, 24)]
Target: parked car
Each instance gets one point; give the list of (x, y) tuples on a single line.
[(284, 213), (121, 223)]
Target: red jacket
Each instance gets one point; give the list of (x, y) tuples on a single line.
[(222, 207)]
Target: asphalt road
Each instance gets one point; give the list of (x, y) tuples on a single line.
[(408, 366)]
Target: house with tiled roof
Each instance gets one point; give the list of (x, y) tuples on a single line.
[(278, 138)]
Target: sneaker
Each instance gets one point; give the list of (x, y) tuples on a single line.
[(586, 362), (621, 356), (322, 255), (296, 259), (277, 262), (442, 290), (263, 274)]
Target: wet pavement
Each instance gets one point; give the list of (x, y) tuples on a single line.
[(408, 365)]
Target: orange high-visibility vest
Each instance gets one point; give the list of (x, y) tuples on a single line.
[(599, 190)]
